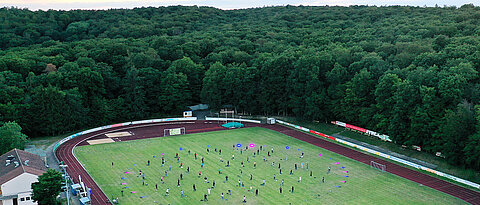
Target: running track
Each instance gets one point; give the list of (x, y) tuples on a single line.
[(65, 153)]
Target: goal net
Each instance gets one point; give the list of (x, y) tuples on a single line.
[(174, 131), (378, 166)]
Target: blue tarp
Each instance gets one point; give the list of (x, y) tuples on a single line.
[(233, 125)]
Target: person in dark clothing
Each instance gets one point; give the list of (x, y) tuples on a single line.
[(280, 190), (194, 188), (256, 192), (293, 189), (205, 197)]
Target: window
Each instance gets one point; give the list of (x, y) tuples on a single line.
[(22, 199), (27, 198)]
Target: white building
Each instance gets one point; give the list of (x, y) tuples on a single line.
[(18, 170)]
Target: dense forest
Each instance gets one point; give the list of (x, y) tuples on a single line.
[(409, 72)]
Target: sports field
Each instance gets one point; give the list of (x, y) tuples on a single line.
[(347, 182)]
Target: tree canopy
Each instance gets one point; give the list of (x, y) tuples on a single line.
[(11, 136), (48, 187)]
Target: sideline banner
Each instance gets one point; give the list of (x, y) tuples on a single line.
[(368, 132)]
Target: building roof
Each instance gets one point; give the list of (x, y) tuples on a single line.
[(27, 163)]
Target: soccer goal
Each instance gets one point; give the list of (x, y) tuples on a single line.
[(174, 131), (378, 166)]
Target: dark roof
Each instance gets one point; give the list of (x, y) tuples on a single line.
[(35, 165)]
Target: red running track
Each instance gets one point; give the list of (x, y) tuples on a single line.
[(64, 153)]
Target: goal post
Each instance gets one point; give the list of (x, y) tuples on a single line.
[(173, 131), (378, 166)]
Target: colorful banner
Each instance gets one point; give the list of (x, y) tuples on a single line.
[(368, 132), (356, 128)]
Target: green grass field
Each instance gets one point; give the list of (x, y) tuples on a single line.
[(363, 185)]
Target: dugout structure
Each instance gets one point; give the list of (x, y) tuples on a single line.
[(174, 131)]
